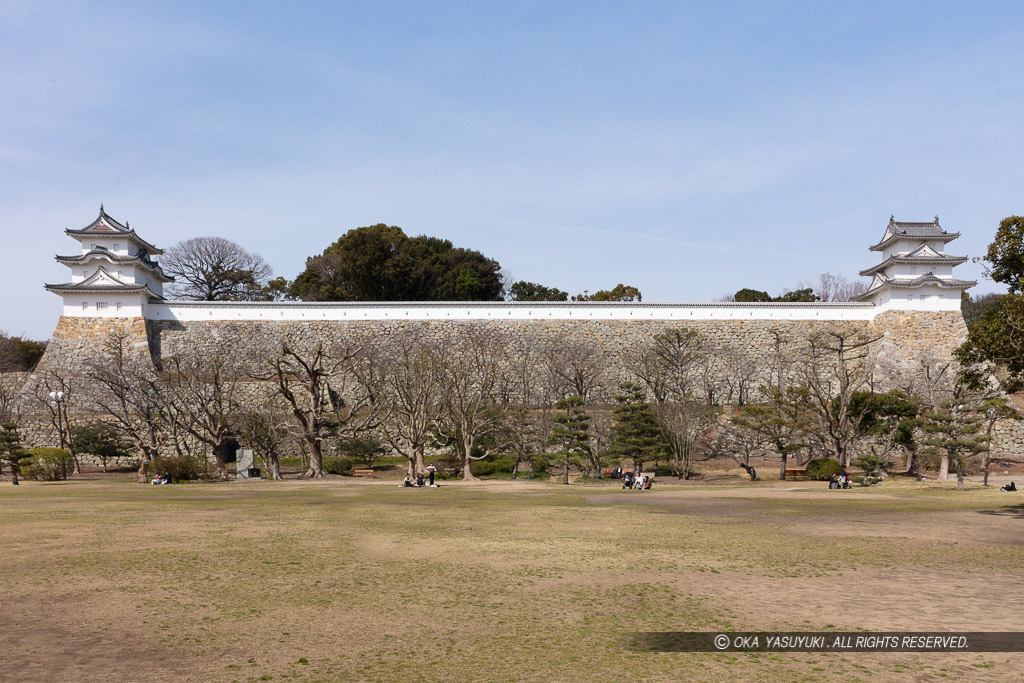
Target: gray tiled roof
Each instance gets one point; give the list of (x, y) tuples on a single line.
[(914, 283), (116, 229), (930, 230), (944, 260), (104, 252)]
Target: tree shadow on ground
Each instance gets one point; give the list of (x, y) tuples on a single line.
[(1007, 511)]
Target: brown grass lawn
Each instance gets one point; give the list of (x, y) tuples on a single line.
[(108, 580)]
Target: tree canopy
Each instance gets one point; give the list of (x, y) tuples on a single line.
[(994, 328), (1005, 256), (215, 269), (747, 295), (381, 263), (619, 292), (531, 291), (17, 354)]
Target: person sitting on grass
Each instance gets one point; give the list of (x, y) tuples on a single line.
[(166, 478), (1009, 488), (419, 480), (408, 481), (638, 484)]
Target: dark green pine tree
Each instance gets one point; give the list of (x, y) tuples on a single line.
[(953, 431), (11, 452), (570, 433), (637, 435)]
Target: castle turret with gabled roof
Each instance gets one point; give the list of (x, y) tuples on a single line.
[(113, 275), (915, 271)]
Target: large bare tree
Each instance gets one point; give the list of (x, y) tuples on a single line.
[(475, 399), (836, 365), (575, 368), (131, 394), (265, 429), (333, 390), (202, 396), (215, 269), (55, 396), (674, 369), (414, 395)]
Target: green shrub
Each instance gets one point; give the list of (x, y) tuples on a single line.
[(338, 465), (101, 440), (494, 465), (821, 469), (49, 464), (181, 467)]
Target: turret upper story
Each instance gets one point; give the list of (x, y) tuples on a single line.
[(915, 271), (114, 273)]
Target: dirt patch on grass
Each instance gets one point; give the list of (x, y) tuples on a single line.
[(500, 580)]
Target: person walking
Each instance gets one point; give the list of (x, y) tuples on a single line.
[(430, 472)]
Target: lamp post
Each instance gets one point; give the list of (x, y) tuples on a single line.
[(63, 424), (991, 415)]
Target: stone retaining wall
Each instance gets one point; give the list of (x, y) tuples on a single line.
[(908, 338)]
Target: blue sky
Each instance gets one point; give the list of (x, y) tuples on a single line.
[(689, 149)]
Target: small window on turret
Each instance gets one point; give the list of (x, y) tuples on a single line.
[(117, 247), (119, 305), (85, 305), (101, 305)]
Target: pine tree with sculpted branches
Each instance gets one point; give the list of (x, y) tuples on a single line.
[(570, 433), (637, 434), (11, 452)]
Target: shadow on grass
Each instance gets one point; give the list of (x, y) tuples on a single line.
[(1007, 511)]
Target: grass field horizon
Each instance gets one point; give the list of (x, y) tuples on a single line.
[(104, 579)]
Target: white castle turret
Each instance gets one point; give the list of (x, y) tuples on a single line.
[(915, 273), (114, 275)]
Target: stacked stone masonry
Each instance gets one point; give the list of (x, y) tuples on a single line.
[(907, 339)]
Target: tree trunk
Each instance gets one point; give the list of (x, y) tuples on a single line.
[(467, 453), (959, 475), (143, 467), (782, 468), (71, 449), (988, 461), (420, 467), (275, 467), (316, 460), (219, 456), (911, 463), (751, 471), (566, 480), (944, 468)]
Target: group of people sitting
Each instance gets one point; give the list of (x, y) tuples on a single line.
[(158, 479), (418, 481), (1008, 488), (636, 482), (839, 481)]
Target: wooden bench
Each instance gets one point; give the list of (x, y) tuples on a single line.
[(362, 473), (796, 473)]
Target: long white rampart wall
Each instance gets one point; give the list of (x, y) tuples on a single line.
[(294, 311)]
